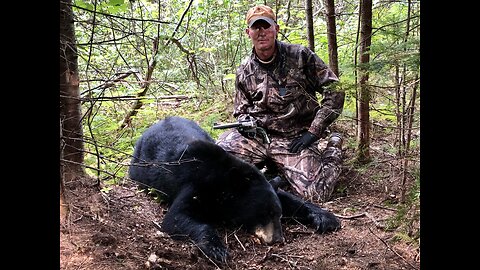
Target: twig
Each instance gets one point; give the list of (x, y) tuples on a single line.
[(216, 265), (157, 225), (291, 263), (236, 237), (377, 224), (106, 199), (350, 217), (81, 216), (266, 254), (390, 248), (300, 232), (106, 98), (127, 196), (384, 207)]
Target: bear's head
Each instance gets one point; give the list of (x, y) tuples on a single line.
[(255, 205), (238, 194)]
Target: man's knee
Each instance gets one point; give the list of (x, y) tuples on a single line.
[(333, 152), (235, 143)]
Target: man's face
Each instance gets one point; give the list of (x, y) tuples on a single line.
[(263, 35)]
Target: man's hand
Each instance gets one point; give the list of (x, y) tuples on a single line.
[(302, 142)]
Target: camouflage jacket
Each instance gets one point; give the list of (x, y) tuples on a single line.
[(281, 95)]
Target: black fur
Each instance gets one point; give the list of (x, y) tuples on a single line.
[(207, 187)]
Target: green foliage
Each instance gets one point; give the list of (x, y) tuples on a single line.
[(198, 56), (109, 6), (406, 222), (348, 86), (158, 196)]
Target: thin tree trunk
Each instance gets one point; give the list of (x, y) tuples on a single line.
[(398, 113), (363, 130), (287, 12), (331, 36), (309, 19), (152, 63), (411, 112), (146, 85), (70, 107), (355, 63), (64, 208), (408, 114)]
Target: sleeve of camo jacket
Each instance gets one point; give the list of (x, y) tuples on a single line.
[(242, 101), (324, 81)]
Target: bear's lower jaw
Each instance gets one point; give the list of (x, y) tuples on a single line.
[(269, 234)]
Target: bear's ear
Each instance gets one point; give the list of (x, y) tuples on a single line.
[(277, 182)]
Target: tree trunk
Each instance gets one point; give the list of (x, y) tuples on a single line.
[(70, 107), (331, 35), (408, 114), (363, 130), (355, 63), (64, 209), (71, 134), (309, 19)]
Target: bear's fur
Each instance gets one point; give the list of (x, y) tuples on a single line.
[(205, 187)]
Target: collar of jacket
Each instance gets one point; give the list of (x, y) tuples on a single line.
[(279, 55)]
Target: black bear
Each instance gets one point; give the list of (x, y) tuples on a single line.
[(206, 187)]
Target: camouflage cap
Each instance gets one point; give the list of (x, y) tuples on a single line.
[(260, 12)]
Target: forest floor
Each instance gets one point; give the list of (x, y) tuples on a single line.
[(119, 229)]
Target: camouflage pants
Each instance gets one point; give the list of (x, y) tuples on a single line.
[(312, 173)]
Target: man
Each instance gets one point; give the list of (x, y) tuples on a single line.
[(276, 87)]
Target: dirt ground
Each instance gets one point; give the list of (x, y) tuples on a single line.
[(119, 229)]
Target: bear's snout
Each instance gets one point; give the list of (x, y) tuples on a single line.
[(271, 233)]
